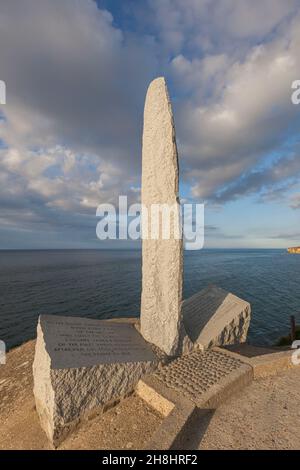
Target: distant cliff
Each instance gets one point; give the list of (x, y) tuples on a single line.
[(294, 250)]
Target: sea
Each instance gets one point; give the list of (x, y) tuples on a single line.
[(104, 284)]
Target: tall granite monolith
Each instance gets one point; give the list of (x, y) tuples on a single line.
[(162, 265)]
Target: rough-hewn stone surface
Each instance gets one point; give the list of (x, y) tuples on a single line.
[(162, 259), (81, 366), (214, 317)]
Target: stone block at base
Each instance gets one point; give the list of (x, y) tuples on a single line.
[(83, 365), (214, 317)]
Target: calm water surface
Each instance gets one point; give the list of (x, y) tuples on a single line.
[(105, 284)]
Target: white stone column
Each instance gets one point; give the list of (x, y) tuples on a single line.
[(162, 265)]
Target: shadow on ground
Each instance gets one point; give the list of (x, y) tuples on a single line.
[(194, 430)]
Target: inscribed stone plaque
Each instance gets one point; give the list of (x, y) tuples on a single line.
[(214, 317), (82, 365), (82, 342)]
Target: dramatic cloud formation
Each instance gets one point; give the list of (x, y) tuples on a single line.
[(208, 25), (76, 74), (238, 111), (72, 124)]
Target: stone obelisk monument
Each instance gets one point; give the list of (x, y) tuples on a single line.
[(162, 265)]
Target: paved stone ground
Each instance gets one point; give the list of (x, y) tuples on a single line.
[(197, 373), (265, 415)]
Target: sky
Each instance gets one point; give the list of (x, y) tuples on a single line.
[(76, 74)]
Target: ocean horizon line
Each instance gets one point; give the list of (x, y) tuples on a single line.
[(139, 249)]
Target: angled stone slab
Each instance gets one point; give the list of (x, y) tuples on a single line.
[(83, 365), (214, 317), (162, 266)]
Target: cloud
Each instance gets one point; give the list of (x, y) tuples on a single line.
[(239, 114), (232, 71), (72, 76), (287, 236), (70, 132), (295, 201), (210, 25), (72, 122), (271, 182)]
